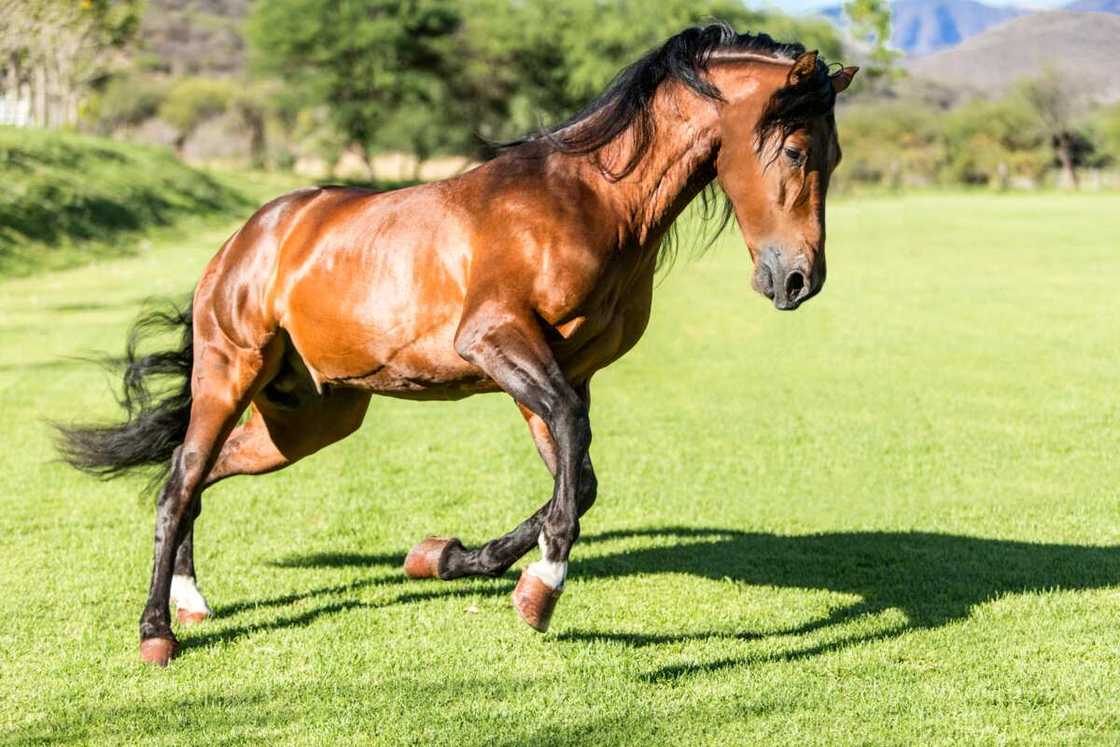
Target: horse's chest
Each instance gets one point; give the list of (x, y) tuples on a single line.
[(605, 329)]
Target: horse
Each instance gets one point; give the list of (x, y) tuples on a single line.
[(525, 275)]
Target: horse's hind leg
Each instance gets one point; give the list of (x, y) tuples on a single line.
[(190, 606), (223, 380), (274, 436)]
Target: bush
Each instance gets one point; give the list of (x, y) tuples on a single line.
[(989, 142), (890, 143), (1104, 129), (191, 101), (127, 101)]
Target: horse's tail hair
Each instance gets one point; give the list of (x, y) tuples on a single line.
[(156, 399)]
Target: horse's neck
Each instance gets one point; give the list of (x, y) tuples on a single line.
[(677, 166)]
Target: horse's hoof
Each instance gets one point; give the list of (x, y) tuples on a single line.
[(534, 601), (423, 558), (158, 651), (188, 618)]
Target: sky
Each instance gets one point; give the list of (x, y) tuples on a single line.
[(798, 6)]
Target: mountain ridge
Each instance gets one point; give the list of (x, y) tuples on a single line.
[(1069, 43), (922, 27)]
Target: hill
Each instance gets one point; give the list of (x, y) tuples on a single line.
[(68, 199), (191, 37), (920, 27), (1074, 44), (1095, 6)]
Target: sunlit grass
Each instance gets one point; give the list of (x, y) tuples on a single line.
[(890, 517)]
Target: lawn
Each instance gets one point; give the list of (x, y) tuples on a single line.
[(889, 517)]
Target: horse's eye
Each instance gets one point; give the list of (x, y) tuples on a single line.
[(793, 154)]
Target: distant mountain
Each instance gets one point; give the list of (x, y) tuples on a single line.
[(921, 27), (1081, 46), (1095, 6)]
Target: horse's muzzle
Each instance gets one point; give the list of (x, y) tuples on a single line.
[(787, 286)]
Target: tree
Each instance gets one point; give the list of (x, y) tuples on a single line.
[(871, 22), (1056, 103), (433, 76), (991, 141), (531, 62), (360, 60), (890, 143), (52, 51), (193, 101), (1106, 132)]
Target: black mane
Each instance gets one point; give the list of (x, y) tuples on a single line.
[(628, 99)]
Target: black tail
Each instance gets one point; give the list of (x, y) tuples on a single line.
[(156, 418)]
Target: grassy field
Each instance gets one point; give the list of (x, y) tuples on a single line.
[(890, 517)]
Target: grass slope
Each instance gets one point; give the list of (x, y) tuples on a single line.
[(70, 199), (890, 517)]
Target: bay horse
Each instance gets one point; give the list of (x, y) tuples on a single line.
[(527, 275)]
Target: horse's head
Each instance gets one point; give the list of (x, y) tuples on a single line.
[(778, 147)]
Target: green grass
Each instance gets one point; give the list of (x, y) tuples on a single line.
[(890, 517), (71, 199)]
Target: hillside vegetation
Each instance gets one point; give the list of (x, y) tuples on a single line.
[(69, 199)]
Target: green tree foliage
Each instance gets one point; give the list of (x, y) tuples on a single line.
[(871, 21), (1104, 128), (1057, 103), (194, 100), (126, 100), (539, 61), (891, 143), (988, 142), (52, 52), (900, 143), (361, 60), (431, 76)]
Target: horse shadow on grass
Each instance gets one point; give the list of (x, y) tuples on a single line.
[(933, 579)]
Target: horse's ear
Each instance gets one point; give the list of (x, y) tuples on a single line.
[(843, 78), (804, 68)]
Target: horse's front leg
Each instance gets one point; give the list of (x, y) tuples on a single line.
[(515, 354), (440, 557)]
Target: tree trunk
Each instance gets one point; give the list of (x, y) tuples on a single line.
[(368, 161), (419, 157), (1003, 176), (39, 92), (11, 85), (257, 142), (1064, 146)]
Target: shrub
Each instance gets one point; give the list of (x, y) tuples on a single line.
[(127, 101), (192, 101), (890, 143)]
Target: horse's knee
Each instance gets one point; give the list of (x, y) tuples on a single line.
[(588, 490)]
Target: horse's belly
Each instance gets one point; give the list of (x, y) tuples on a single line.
[(425, 368), (384, 321), (390, 356)]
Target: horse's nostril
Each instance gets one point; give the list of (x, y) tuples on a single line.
[(795, 286)]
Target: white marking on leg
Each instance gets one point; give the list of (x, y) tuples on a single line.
[(551, 572), (186, 596)]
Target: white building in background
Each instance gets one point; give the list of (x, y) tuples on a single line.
[(15, 111)]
